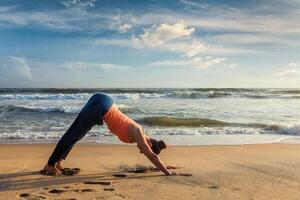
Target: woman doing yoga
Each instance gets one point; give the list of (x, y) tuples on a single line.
[(99, 108)]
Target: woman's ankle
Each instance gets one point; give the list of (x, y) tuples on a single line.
[(50, 167), (58, 165)]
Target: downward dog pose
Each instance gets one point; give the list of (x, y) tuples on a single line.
[(99, 108)]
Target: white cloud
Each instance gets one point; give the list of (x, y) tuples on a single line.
[(208, 17), (196, 62), (171, 37), (159, 35), (79, 3), (115, 42), (292, 64), (233, 65), (176, 38), (190, 47), (194, 4), (250, 39), (53, 20), (119, 25), (15, 67), (77, 66), (123, 28), (227, 19), (292, 70), (71, 18), (6, 8)]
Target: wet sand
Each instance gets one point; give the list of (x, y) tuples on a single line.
[(261, 171)]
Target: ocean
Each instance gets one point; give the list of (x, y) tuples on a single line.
[(181, 116)]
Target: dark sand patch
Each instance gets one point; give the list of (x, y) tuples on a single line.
[(87, 190), (97, 182), (30, 196), (70, 171), (109, 189), (184, 174), (24, 195), (213, 187), (142, 169), (119, 175), (121, 195), (56, 191)]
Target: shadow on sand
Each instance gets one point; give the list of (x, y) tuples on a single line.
[(33, 179)]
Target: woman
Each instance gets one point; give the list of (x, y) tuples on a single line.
[(99, 108)]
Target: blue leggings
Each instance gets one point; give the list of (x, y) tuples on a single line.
[(91, 114)]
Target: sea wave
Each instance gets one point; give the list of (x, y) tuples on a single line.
[(59, 96), (290, 130), (287, 91), (60, 109), (206, 122), (39, 109), (174, 122), (197, 95), (206, 93)]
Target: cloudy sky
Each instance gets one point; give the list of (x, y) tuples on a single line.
[(166, 43)]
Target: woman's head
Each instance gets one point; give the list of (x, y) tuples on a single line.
[(157, 146)]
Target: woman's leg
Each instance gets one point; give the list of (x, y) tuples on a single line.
[(86, 119)]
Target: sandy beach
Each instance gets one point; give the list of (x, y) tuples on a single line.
[(261, 171)]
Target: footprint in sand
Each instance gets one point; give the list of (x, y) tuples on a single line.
[(143, 169), (24, 195), (119, 175), (97, 182), (70, 171), (30, 196), (87, 190), (184, 174), (109, 189), (59, 191), (56, 191), (213, 187)]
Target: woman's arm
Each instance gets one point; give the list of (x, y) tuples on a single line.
[(145, 149)]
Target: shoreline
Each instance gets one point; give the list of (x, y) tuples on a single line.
[(178, 140), (255, 171), (134, 144)]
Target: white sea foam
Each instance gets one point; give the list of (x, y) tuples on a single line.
[(291, 130), (168, 93), (41, 108), (44, 96)]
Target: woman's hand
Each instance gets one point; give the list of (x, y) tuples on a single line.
[(144, 147)]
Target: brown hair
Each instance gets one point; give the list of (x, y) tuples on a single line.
[(157, 146)]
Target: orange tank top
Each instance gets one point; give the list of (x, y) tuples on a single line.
[(118, 123)]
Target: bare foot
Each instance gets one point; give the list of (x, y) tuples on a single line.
[(51, 170), (58, 165)]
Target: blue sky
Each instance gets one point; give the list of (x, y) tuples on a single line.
[(171, 43)]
